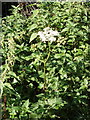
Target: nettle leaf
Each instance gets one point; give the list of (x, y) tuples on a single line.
[(69, 56), (57, 56), (33, 36), (20, 46), (15, 81), (26, 104), (33, 115), (32, 27), (11, 73), (27, 58), (41, 85), (8, 85), (80, 33), (51, 101), (85, 27), (40, 95), (65, 29), (35, 13)]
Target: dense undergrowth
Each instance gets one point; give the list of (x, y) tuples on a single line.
[(47, 80)]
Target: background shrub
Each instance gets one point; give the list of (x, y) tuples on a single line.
[(42, 81)]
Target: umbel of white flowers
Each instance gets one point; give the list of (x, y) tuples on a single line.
[(48, 34)]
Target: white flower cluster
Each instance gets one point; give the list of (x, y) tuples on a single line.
[(48, 35)]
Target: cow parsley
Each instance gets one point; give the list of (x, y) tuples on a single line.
[(48, 34)]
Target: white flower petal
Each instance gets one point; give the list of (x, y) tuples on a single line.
[(46, 29), (39, 33), (48, 35), (52, 39), (55, 33)]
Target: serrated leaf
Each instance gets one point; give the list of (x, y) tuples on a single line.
[(20, 46), (85, 27), (32, 27), (11, 73), (65, 29), (51, 101), (15, 81), (33, 115), (68, 56), (33, 36), (26, 104), (8, 85), (80, 33), (57, 56), (41, 85), (35, 12), (27, 58)]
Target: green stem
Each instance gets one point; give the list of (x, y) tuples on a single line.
[(45, 81), (44, 75), (48, 53)]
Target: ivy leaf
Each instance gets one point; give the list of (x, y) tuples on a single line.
[(33, 36)]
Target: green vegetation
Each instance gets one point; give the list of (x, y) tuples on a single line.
[(47, 80)]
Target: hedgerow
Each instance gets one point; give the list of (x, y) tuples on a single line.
[(47, 79)]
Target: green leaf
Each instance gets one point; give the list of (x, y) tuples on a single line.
[(35, 13), (57, 56), (80, 33), (41, 85), (15, 81), (27, 58), (51, 101), (32, 27), (20, 46), (40, 95), (11, 73), (26, 104), (33, 36), (8, 85), (33, 115), (85, 27), (69, 56), (65, 29)]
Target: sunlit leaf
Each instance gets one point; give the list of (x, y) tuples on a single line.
[(33, 36)]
